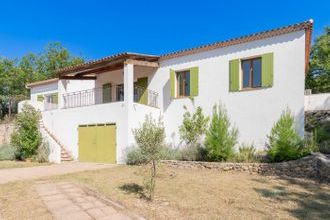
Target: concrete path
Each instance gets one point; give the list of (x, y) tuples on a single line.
[(17, 174), (68, 201)]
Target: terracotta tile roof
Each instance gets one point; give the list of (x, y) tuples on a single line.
[(43, 82), (306, 25)]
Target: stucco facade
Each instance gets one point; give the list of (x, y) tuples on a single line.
[(253, 111)]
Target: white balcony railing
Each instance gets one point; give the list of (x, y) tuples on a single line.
[(104, 95)]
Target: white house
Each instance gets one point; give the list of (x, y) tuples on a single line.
[(92, 108)]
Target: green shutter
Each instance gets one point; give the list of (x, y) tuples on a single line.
[(194, 81), (234, 75), (172, 83), (106, 93), (40, 98), (267, 69), (55, 98), (142, 86)]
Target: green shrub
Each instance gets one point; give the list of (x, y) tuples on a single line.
[(7, 152), (309, 144), (26, 137), (193, 126), (169, 153), (284, 143), (322, 137), (193, 152), (43, 153), (246, 154), (135, 156), (324, 147), (221, 136)]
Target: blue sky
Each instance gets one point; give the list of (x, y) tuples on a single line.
[(98, 28)]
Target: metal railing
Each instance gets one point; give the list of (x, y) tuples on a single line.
[(146, 96), (105, 95)]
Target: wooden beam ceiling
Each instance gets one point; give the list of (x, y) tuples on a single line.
[(79, 77), (142, 63)]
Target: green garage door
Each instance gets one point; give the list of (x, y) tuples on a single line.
[(97, 143)]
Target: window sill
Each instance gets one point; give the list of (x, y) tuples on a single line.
[(183, 97), (252, 89)]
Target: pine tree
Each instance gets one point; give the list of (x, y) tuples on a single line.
[(221, 136)]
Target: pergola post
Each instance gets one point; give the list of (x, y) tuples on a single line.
[(61, 91), (129, 101), (129, 85)]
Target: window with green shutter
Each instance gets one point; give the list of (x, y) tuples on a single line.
[(184, 83), (251, 73)]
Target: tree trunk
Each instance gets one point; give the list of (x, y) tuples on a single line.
[(9, 108)]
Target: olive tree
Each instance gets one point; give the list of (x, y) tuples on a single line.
[(150, 137)]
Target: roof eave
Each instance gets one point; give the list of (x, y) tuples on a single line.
[(38, 83)]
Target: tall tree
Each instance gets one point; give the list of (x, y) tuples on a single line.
[(11, 84), (15, 74), (318, 78), (54, 57)]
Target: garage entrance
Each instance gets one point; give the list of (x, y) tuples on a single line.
[(97, 143)]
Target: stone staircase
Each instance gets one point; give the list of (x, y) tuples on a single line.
[(65, 156)]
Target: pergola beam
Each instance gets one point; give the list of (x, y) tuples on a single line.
[(142, 63), (111, 66), (79, 77)]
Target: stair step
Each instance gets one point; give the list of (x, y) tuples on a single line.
[(65, 156), (66, 160)]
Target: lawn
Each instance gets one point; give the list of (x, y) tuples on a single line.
[(6, 164), (184, 194)]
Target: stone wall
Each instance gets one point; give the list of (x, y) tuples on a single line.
[(6, 129), (316, 118), (315, 166)]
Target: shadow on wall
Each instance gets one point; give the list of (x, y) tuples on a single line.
[(166, 95), (312, 200), (300, 122)]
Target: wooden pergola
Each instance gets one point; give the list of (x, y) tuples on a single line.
[(90, 70)]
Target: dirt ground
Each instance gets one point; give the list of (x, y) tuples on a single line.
[(183, 194)]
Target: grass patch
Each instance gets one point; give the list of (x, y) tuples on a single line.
[(6, 164)]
